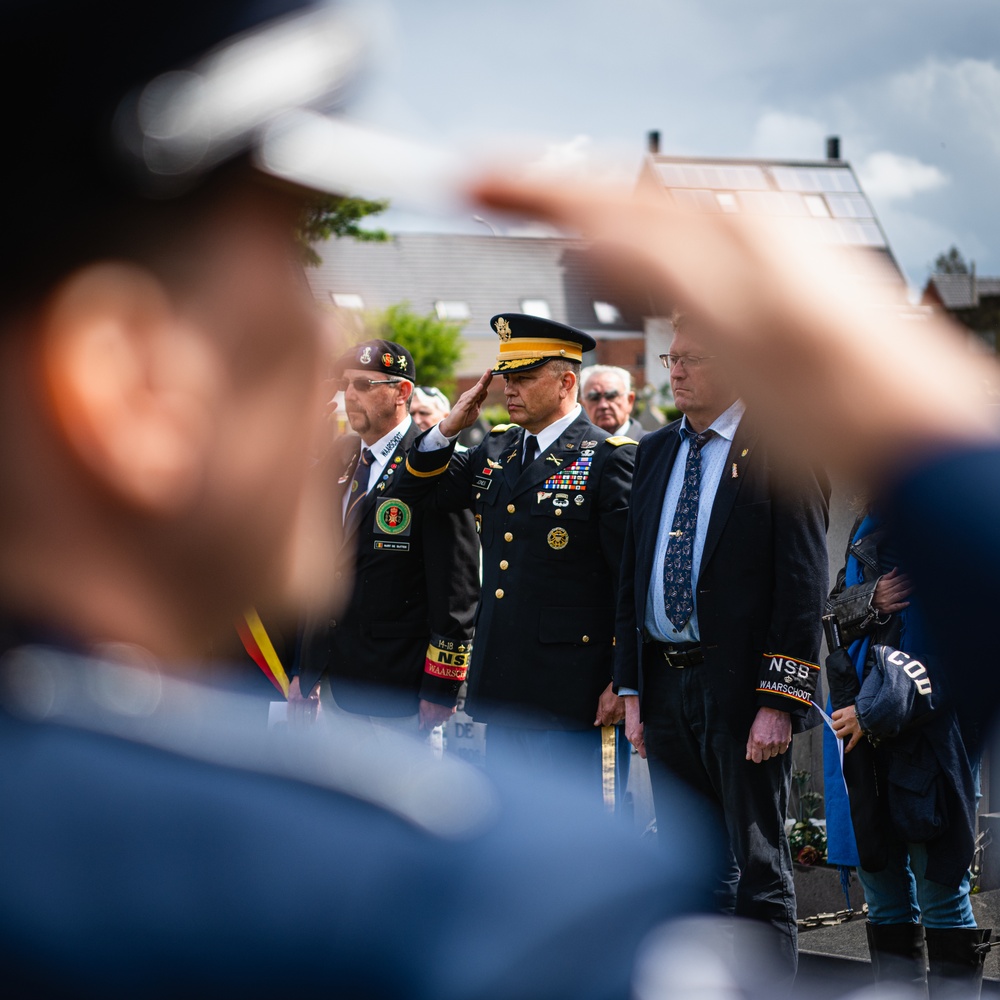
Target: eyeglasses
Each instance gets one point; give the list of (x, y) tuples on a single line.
[(689, 361), (362, 385), (436, 394), (596, 397)]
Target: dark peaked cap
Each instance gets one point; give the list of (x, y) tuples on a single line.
[(111, 98), (529, 341)]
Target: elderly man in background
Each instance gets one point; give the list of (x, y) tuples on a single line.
[(428, 405), (608, 398)]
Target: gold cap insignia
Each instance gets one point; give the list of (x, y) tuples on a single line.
[(503, 329)]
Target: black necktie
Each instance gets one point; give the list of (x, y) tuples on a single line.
[(678, 600), (530, 450), (359, 485)]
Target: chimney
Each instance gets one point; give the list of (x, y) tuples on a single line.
[(653, 142), (833, 147)]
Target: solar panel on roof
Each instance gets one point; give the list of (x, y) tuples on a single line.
[(850, 206)]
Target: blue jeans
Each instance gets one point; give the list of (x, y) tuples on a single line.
[(901, 894)]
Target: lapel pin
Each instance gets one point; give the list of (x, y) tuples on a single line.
[(744, 453), (736, 472), (552, 458)]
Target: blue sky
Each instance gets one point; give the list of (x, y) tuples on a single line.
[(912, 88)]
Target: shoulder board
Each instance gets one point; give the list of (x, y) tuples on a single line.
[(500, 428), (618, 440)]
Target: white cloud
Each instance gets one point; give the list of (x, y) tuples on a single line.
[(782, 136), (580, 158), (891, 177), (570, 157)]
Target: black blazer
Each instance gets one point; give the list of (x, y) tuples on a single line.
[(762, 583), (407, 631), (552, 542)]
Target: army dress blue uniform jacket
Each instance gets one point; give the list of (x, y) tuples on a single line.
[(406, 633), (552, 538), (762, 581), (145, 840)]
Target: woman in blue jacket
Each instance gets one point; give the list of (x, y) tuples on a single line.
[(925, 779)]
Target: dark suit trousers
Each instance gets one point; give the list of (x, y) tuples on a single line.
[(686, 736)]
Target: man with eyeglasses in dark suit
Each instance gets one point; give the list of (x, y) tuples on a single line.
[(723, 579)]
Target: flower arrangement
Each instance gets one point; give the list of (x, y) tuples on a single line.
[(807, 837)]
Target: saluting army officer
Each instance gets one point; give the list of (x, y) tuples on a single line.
[(550, 494)]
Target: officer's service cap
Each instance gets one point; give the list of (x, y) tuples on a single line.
[(529, 341), (383, 356)]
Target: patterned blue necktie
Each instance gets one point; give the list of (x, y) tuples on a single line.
[(678, 599)]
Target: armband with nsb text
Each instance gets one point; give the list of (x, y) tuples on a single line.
[(788, 677)]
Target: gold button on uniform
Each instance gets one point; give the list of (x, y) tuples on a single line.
[(510, 508), (586, 638), (504, 564), (508, 537), (558, 512), (499, 593)]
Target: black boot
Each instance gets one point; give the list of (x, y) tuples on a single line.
[(897, 952), (955, 958)]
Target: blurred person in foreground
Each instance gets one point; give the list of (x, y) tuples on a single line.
[(608, 398), (160, 360), (837, 369), (398, 653)]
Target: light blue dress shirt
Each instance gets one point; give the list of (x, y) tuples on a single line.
[(714, 452)]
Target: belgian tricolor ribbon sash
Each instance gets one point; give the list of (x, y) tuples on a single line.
[(257, 643)]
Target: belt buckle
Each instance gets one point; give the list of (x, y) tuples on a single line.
[(670, 659)]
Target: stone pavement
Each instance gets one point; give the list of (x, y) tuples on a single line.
[(834, 959)]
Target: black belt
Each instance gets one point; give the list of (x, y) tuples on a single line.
[(681, 655)]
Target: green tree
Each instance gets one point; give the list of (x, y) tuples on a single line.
[(332, 215), (436, 344), (951, 262)]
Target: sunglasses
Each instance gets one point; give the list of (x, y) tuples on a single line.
[(595, 396), (362, 385)]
